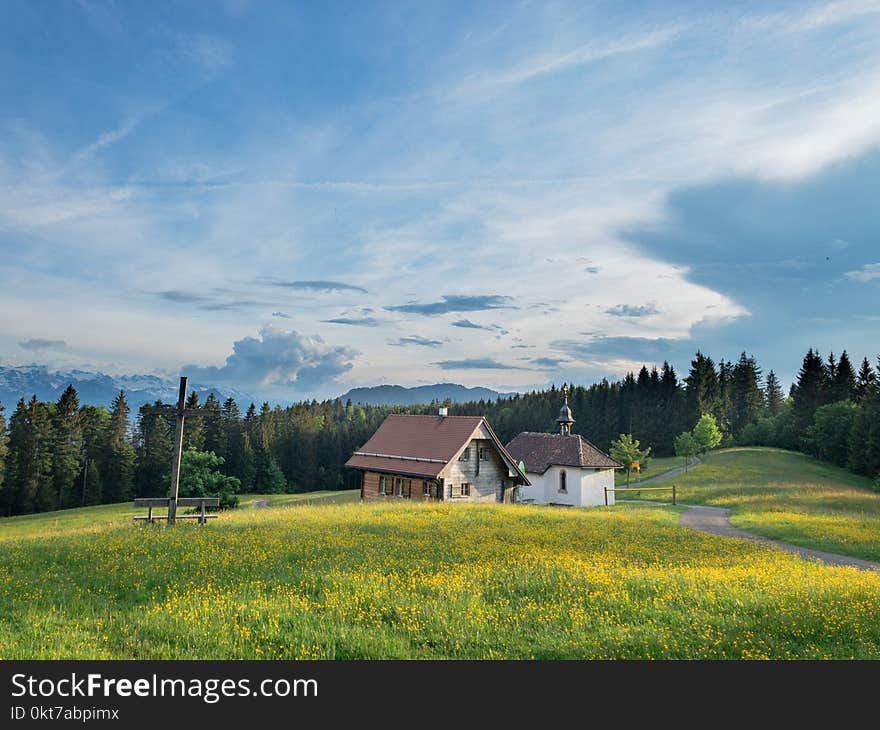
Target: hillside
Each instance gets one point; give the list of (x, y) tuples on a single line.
[(397, 395), (414, 580), (791, 497)]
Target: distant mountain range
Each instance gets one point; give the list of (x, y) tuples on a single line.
[(397, 395), (98, 389)]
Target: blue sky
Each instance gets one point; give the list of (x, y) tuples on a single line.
[(295, 199)]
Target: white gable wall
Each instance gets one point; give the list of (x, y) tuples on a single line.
[(585, 487)]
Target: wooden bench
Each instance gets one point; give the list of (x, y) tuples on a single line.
[(200, 502)]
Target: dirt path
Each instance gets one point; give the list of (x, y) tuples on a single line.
[(716, 521), (671, 474)]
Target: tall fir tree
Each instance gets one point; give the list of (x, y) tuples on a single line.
[(233, 439), (4, 438), (94, 422), (214, 434), (67, 456), (194, 434), (30, 459), (843, 383), (154, 454), (701, 390), (830, 374), (866, 381), (746, 396), (119, 454), (808, 392), (774, 398)]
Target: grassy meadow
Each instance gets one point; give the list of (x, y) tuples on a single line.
[(788, 496), (399, 580)]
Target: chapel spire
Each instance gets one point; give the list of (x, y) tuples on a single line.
[(565, 420)]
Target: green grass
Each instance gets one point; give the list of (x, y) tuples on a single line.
[(97, 519), (789, 497), (419, 581), (416, 580), (655, 466)]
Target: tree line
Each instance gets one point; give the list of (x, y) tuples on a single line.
[(62, 454)]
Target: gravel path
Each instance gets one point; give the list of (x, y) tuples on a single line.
[(716, 521)]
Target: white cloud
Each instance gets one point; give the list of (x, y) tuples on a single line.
[(279, 360), (869, 272)]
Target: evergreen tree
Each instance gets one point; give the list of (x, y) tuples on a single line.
[(30, 459), (119, 454), (808, 392), (234, 440), (843, 384), (94, 423), (724, 411), (67, 461), (746, 397), (865, 381), (773, 395), (193, 434), (155, 453), (4, 438), (830, 372), (702, 391), (214, 433)]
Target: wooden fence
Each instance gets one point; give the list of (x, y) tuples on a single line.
[(638, 489)]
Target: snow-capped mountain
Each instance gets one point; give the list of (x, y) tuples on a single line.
[(99, 389)]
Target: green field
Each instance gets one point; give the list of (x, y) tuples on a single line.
[(788, 496), (428, 581)]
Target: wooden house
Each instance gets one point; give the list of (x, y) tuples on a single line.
[(440, 457)]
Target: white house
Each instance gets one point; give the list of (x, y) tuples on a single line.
[(563, 468)]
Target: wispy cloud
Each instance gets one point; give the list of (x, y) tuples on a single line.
[(547, 362), (104, 140), (869, 272), (415, 340), (181, 297), (455, 303), (354, 321), (281, 315), (316, 286), (478, 86), (38, 344), (476, 363)]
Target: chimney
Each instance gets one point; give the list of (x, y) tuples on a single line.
[(443, 412)]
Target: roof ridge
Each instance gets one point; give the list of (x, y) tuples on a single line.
[(429, 415)]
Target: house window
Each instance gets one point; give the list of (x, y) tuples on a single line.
[(563, 481), (426, 488), (466, 454), (465, 490), (382, 486), (484, 453), (400, 487)]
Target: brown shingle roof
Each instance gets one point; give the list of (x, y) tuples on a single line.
[(539, 451), (419, 445)]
